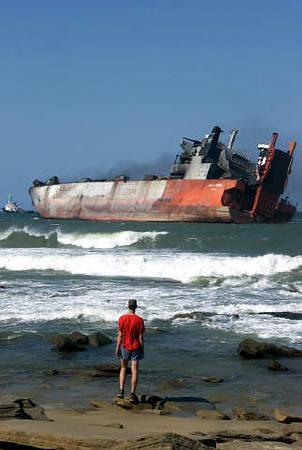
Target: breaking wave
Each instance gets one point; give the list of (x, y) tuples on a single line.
[(182, 267), (106, 240), (26, 237)]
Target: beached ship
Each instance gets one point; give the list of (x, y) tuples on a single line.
[(209, 182), (11, 207)]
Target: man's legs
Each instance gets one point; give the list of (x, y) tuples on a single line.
[(134, 376), (123, 373)]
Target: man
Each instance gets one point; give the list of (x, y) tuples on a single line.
[(130, 347)]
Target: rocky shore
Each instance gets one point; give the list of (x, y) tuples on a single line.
[(117, 427), (160, 421)]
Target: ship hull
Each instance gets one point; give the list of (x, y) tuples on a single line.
[(140, 201)]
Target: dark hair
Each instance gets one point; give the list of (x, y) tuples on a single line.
[(132, 304)]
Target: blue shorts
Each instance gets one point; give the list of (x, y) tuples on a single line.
[(131, 355)]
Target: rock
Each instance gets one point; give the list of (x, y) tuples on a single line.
[(251, 436), (146, 402), (153, 400), (204, 439), (97, 339), (294, 427), (212, 415), (286, 417), (79, 338), (20, 408), (164, 441), (251, 349), (65, 344), (126, 404), (213, 379), (276, 366), (196, 315), (155, 330), (268, 445), (177, 383), (113, 425), (242, 414), (99, 371), (110, 370)]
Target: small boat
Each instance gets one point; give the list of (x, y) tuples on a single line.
[(11, 206)]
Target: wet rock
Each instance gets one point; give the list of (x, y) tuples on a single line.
[(276, 366), (153, 400), (77, 341), (146, 402), (242, 414), (177, 383), (251, 349), (20, 408), (187, 404), (66, 345), (110, 370), (212, 415), (213, 379), (125, 403), (97, 339), (79, 338), (286, 417), (98, 371), (196, 315), (155, 330)]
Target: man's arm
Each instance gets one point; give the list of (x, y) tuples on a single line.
[(141, 341), (118, 344), (141, 336)]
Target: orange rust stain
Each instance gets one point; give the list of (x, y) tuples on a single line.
[(197, 192)]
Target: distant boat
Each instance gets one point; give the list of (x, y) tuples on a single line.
[(11, 206)]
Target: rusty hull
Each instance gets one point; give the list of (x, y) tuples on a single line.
[(140, 201)]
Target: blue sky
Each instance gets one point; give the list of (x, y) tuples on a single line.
[(90, 85)]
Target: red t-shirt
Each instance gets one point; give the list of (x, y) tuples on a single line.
[(131, 327)]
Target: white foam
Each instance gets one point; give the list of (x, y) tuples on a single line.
[(26, 230), (184, 267), (86, 240), (7, 233), (106, 240)]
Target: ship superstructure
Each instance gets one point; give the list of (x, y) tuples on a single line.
[(209, 182)]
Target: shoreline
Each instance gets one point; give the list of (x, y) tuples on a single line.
[(111, 427)]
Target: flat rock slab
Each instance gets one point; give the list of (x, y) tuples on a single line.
[(237, 445), (286, 417), (20, 408), (165, 441), (258, 435)]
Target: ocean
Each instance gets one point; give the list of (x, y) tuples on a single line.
[(201, 289)]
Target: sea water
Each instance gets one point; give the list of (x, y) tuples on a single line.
[(201, 289)]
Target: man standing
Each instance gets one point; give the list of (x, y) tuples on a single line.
[(130, 347)]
